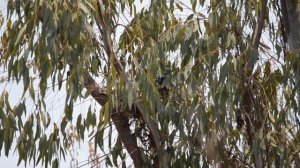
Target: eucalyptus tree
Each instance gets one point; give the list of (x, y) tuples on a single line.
[(185, 84)]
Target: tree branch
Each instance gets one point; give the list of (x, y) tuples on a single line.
[(257, 35), (120, 122), (260, 24), (154, 132), (247, 99), (96, 92), (284, 19), (290, 19), (127, 138)]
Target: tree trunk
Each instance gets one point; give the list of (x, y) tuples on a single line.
[(291, 21), (290, 10)]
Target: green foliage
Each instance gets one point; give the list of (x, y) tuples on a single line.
[(202, 57)]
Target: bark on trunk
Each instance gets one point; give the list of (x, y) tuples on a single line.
[(291, 19), (120, 122), (290, 10), (129, 141)]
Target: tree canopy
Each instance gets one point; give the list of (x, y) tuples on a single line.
[(185, 84)]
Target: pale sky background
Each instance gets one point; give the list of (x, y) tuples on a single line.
[(55, 104)]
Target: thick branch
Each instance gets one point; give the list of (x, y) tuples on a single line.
[(284, 19), (290, 18), (155, 136), (260, 24), (257, 35), (120, 122), (130, 144), (96, 92), (247, 100)]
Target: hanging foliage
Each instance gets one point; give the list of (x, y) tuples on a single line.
[(185, 84)]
